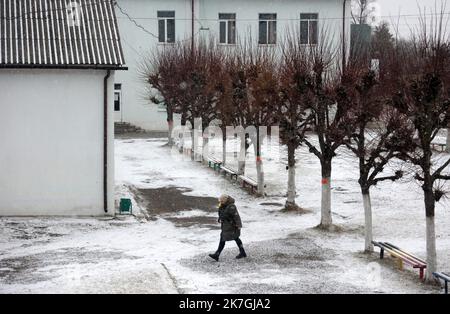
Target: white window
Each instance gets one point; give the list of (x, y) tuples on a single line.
[(309, 28), (166, 26), (227, 25), (267, 29)]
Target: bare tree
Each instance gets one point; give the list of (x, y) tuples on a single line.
[(160, 72), (227, 106), (422, 94), (379, 133), (255, 96), (362, 11), (330, 119), (238, 75), (296, 97), (263, 96)]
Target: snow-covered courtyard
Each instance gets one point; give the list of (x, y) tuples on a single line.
[(165, 247)]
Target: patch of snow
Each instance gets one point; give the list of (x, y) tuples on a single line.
[(286, 252)]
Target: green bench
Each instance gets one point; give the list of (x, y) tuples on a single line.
[(214, 163)]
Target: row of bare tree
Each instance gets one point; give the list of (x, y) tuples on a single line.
[(387, 116)]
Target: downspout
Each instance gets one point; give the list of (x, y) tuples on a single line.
[(344, 44), (193, 25), (105, 141)]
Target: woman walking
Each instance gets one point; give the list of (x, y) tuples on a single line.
[(231, 226)]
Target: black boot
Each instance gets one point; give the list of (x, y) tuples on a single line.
[(215, 256), (242, 253)]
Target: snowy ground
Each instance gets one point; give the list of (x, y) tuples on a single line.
[(164, 249)]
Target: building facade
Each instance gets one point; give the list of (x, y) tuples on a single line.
[(148, 25), (57, 66)]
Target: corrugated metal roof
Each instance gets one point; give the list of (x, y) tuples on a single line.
[(59, 33)]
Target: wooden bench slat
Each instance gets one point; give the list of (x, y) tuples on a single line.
[(407, 256), (399, 255), (231, 172), (227, 170), (402, 255), (248, 180), (409, 260), (212, 159)]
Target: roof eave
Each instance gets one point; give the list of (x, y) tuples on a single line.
[(65, 67)]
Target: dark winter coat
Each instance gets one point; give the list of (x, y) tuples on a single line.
[(230, 220)]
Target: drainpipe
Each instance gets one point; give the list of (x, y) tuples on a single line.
[(193, 25), (105, 141), (344, 44)]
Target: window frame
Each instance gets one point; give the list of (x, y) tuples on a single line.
[(165, 17), (310, 19), (118, 93), (269, 20), (227, 19)]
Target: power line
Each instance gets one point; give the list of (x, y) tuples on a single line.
[(297, 19), (134, 21), (199, 20)]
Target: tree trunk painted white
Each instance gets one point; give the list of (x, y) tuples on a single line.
[(259, 171), (431, 248), (182, 142), (224, 150), (447, 146), (170, 136), (326, 220), (292, 190), (205, 150), (368, 231), (194, 144), (260, 176), (241, 160)]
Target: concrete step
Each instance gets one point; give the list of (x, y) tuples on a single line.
[(125, 127)]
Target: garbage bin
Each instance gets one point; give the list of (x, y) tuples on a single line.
[(126, 207)]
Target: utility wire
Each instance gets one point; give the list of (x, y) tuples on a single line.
[(132, 20), (199, 20)]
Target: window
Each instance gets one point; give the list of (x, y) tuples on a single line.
[(267, 29), (166, 26), (227, 24), (309, 28), (117, 97)]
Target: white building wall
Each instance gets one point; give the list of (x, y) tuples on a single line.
[(51, 137), (139, 45), (288, 16)]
